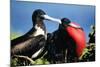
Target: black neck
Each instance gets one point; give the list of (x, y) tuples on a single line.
[(30, 33)]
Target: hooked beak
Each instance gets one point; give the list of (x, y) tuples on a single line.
[(51, 19), (73, 25)]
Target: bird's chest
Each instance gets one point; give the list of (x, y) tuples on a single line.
[(60, 42), (40, 31)]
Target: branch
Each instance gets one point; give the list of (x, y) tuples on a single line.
[(25, 57)]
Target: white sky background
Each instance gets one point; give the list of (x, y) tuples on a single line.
[(5, 34), (84, 2)]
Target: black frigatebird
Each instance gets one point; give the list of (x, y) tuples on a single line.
[(67, 43), (32, 43)]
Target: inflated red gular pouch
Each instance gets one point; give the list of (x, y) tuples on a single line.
[(78, 35)]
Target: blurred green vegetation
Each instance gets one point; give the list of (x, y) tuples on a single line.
[(14, 35), (24, 62), (89, 53)]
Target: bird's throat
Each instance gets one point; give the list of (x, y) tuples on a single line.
[(39, 31)]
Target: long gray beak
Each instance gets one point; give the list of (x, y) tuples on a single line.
[(51, 19), (73, 25)]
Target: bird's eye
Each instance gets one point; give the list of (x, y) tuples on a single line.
[(41, 17)]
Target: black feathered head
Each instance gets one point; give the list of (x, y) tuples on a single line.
[(65, 21), (37, 15)]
